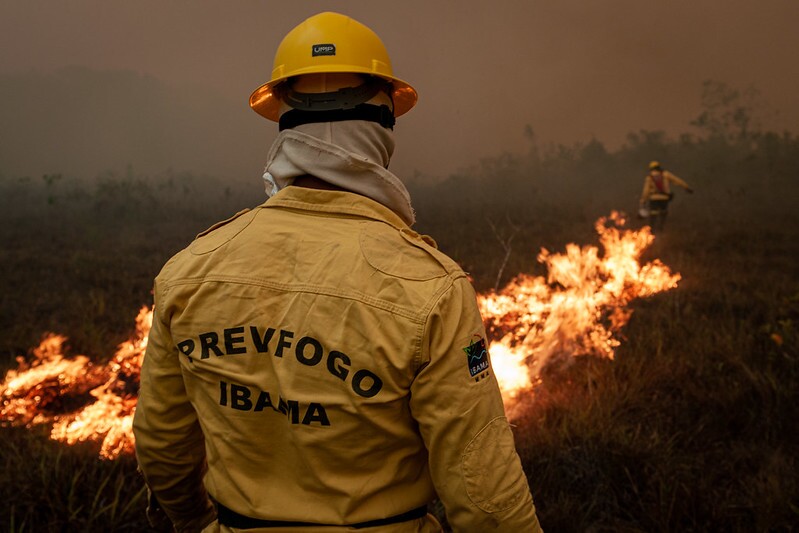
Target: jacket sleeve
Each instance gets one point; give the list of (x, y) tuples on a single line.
[(473, 461), (675, 180), (170, 447)]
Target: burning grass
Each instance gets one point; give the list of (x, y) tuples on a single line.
[(578, 309), (691, 426), (532, 323), (83, 401)]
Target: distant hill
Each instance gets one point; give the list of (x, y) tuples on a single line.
[(81, 121)]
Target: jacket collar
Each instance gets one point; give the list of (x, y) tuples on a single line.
[(334, 203)]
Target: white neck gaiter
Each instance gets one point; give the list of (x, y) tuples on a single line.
[(351, 154)]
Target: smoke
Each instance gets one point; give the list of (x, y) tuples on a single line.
[(79, 121), (168, 85)]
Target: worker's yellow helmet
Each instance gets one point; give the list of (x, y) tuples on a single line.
[(654, 165), (330, 43)]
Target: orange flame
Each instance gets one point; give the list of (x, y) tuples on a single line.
[(48, 390), (577, 310)]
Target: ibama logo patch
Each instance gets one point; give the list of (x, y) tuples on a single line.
[(477, 359)]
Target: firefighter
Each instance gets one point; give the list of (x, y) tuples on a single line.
[(314, 364), (656, 195)]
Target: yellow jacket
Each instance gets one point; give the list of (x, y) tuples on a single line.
[(326, 362), (652, 192)]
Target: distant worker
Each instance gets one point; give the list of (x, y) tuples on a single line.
[(655, 197), (314, 364)]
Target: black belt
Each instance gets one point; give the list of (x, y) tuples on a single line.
[(230, 518)]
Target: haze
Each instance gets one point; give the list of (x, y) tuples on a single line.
[(91, 85)]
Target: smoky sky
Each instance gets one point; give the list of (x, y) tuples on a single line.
[(570, 70)]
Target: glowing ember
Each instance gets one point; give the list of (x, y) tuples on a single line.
[(55, 390), (577, 310)]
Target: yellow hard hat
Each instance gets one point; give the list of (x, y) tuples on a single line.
[(330, 43), (654, 165)]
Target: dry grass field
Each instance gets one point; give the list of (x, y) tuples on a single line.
[(690, 428)]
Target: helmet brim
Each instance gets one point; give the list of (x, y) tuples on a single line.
[(266, 103)]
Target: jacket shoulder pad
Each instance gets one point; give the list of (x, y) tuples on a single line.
[(403, 253), (221, 232)]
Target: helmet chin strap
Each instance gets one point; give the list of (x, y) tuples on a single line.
[(347, 103)]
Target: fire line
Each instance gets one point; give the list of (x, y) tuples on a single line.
[(578, 309)]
